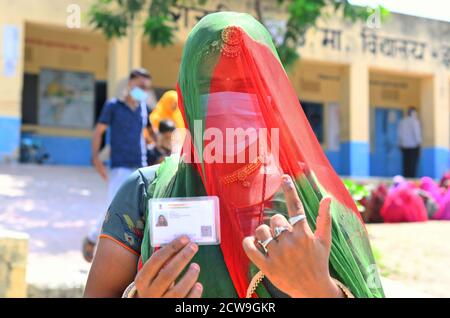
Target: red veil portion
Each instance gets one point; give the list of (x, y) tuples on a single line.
[(249, 89)]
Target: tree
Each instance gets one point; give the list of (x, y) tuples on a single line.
[(116, 18)]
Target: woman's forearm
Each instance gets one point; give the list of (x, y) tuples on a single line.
[(113, 269)]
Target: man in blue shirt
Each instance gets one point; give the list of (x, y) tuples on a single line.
[(126, 119)]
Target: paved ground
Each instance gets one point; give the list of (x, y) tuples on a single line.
[(56, 206)]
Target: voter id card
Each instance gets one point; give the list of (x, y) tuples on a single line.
[(196, 217)]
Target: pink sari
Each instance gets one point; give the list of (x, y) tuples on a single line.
[(441, 196), (402, 204)]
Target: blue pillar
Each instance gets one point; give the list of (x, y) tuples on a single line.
[(9, 136), (355, 159), (434, 162)]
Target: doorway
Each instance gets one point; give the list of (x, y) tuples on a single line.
[(386, 157)]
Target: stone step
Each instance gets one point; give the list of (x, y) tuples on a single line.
[(13, 263)]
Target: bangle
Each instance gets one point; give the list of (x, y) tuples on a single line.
[(130, 291), (347, 293), (256, 280)]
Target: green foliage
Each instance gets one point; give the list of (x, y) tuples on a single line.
[(114, 17), (157, 26), (304, 14), (358, 192), (113, 25)]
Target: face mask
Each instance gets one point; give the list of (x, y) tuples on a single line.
[(138, 94), (233, 110)]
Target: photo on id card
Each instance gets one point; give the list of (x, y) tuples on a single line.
[(196, 217)]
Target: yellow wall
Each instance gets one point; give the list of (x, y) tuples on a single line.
[(316, 82), (354, 103), (49, 46), (60, 48), (40, 11), (57, 131), (435, 98), (394, 91), (11, 86), (320, 83), (325, 74), (18, 13), (162, 63)]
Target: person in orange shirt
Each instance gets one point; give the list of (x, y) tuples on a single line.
[(167, 109)]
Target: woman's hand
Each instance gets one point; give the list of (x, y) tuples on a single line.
[(157, 277), (297, 261)]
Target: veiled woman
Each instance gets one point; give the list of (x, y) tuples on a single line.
[(288, 225)]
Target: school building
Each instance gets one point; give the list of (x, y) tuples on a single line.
[(354, 80)]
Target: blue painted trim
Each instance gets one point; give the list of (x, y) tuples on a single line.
[(434, 161), (9, 136), (64, 150), (355, 159), (335, 159)]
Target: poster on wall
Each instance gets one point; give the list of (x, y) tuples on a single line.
[(66, 99)]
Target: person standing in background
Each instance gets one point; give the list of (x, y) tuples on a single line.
[(126, 119), (409, 141)]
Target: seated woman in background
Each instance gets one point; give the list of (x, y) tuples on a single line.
[(374, 204), (444, 213), (289, 227), (440, 195), (403, 203), (445, 181)]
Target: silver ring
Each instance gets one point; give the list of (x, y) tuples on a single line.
[(265, 243), (278, 230), (297, 218)]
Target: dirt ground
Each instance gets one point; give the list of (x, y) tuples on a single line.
[(416, 254)]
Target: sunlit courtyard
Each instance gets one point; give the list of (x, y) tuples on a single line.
[(56, 205)]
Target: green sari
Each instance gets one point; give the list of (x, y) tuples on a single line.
[(230, 57)]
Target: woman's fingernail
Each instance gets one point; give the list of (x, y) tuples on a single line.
[(195, 267), (198, 286), (184, 239), (193, 247)]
